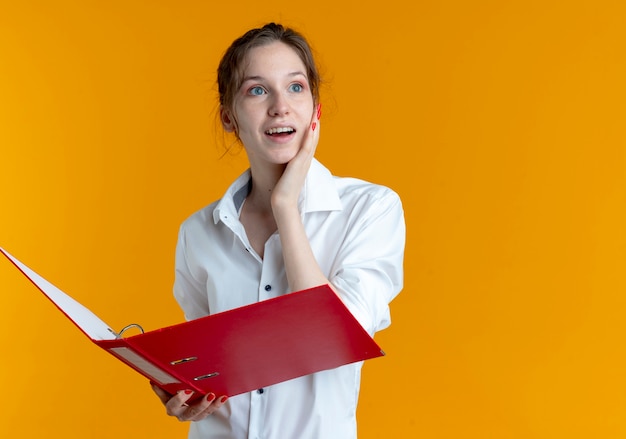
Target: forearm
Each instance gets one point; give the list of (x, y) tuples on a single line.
[(301, 267)]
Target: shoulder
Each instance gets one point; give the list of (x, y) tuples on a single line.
[(225, 206), (365, 204), (334, 192), (357, 191), (201, 218)]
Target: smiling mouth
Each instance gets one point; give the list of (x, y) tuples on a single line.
[(280, 131)]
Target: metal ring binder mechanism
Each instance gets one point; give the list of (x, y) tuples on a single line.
[(127, 327), (231, 352), (173, 363)]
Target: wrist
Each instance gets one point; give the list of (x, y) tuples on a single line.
[(283, 203)]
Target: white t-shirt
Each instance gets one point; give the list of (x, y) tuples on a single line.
[(357, 232)]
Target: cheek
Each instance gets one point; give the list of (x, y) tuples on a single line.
[(239, 120), (309, 103), (248, 114)]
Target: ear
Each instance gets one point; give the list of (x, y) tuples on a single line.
[(228, 121)]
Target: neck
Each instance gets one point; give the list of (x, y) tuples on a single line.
[(263, 182)]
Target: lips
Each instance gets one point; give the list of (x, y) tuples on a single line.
[(280, 131)]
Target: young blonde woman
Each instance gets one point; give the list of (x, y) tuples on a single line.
[(285, 225)]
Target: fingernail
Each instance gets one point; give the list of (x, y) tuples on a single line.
[(223, 399), (188, 392), (313, 126), (319, 111), (210, 397)]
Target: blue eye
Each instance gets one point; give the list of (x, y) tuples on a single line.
[(256, 91), (297, 88)]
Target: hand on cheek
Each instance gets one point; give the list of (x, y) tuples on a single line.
[(290, 184), (310, 139)]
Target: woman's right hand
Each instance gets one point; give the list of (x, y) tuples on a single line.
[(176, 405)]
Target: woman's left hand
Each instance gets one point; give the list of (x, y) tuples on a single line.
[(290, 184)]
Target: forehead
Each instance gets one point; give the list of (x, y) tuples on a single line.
[(273, 59)]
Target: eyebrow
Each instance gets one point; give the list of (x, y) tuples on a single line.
[(260, 78)]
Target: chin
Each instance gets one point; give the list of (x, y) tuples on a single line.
[(283, 157), (273, 154)]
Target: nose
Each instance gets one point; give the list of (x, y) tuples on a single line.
[(279, 105)]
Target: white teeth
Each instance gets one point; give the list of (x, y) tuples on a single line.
[(280, 130)]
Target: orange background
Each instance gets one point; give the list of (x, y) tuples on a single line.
[(500, 124)]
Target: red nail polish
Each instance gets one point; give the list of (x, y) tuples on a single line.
[(210, 397), (223, 399), (313, 126)]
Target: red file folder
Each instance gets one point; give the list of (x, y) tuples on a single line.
[(235, 351)]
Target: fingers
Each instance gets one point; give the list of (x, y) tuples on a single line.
[(204, 408), (162, 394), (176, 405), (287, 190), (302, 160), (317, 115), (309, 143), (314, 137)]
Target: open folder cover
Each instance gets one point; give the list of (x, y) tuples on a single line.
[(235, 351)]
